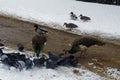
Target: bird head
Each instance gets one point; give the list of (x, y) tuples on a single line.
[(80, 15), (71, 12), (64, 24), (36, 26)]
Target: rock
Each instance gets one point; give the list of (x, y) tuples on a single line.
[(77, 72)]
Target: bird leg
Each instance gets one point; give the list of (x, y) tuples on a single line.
[(83, 50)]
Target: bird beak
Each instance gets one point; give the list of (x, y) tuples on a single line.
[(64, 24)]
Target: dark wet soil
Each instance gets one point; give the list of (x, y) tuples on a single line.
[(13, 31)]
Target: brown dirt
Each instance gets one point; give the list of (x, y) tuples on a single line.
[(13, 31)]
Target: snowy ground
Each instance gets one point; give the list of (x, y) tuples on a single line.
[(104, 18), (112, 72), (60, 73)]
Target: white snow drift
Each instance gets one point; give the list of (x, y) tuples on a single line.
[(104, 18)]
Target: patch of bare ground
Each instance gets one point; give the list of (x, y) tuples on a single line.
[(13, 31)]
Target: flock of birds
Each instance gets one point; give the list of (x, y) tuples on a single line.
[(73, 16), (21, 61), (39, 40), (83, 18)]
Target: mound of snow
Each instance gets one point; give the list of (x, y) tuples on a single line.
[(104, 18)]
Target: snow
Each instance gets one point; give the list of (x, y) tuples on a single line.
[(104, 18), (60, 73), (113, 72)]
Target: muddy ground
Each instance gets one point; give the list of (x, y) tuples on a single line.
[(13, 31)]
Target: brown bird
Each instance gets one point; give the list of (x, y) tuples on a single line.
[(39, 39), (38, 42), (84, 18), (81, 44), (70, 26)]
